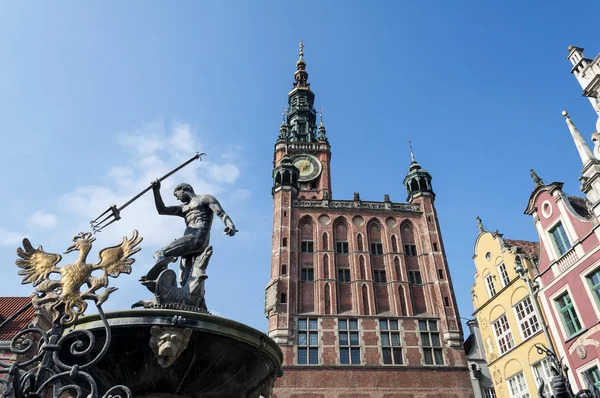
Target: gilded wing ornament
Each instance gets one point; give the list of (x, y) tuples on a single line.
[(63, 297), (36, 264), (115, 260)]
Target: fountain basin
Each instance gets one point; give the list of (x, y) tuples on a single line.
[(223, 358)]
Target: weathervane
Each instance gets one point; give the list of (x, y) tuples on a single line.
[(113, 213)]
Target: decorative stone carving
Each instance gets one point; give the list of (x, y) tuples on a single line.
[(168, 342), (345, 204), (497, 376), (271, 297), (581, 351)]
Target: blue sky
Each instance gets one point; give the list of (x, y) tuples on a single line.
[(99, 99)]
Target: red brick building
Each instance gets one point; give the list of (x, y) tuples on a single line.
[(360, 298)]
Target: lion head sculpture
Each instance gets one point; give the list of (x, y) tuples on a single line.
[(168, 343)]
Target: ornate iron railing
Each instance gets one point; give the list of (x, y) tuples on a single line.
[(39, 369)]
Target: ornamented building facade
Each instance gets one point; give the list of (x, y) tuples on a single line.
[(360, 298), (569, 267), (509, 316), (481, 378)]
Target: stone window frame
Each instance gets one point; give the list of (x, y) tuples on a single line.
[(307, 246), (546, 376), (489, 392), (310, 274), (504, 334), (585, 280), (571, 309), (390, 332), (489, 285), (520, 382), (431, 347), (308, 331), (346, 275), (558, 316), (377, 276), (553, 238), (412, 277), (345, 247), (376, 248), (349, 332), (410, 250), (529, 318), (504, 278), (580, 371)]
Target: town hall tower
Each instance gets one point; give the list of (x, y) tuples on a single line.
[(360, 298)]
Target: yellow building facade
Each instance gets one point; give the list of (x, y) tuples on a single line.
[(508, 316)]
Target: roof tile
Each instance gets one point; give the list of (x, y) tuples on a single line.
[(8, 307)]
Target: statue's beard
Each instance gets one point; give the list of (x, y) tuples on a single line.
[(183, 197)]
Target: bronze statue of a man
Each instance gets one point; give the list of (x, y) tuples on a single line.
[(198, 211)]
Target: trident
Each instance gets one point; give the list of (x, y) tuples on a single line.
[(113, 213)]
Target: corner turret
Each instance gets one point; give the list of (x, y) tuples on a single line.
[(417, 181)]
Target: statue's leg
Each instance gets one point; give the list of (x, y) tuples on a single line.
[(185, 267), (177, 248)]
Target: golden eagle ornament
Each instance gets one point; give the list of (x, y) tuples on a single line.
[(63, 296)]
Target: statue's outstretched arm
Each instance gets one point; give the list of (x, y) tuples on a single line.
[(160, 205), (215, 206)]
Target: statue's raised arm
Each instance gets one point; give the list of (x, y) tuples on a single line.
[(160, 205)]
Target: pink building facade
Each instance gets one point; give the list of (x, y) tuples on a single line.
[(569, 277), (568, 272)]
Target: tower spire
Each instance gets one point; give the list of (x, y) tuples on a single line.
[(412, 155), (584, 151), (301, 76), (301, 116), (322, 132)]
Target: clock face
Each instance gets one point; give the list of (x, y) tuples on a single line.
[(310, 167)]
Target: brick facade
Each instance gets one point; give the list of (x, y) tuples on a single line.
[(342, 267)]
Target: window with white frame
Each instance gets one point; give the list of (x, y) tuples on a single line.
[(489, 283), (503, 334), (568, 314), (526, 317), (593, 374), (503, 274), (560, 239), (594, 282), (541, 370), (517, 386), (489, 393)]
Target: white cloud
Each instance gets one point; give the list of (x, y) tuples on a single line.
[(156, 150), (10, 238), (39, 219), (227, 173)]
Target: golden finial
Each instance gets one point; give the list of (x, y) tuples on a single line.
[(412, 155), (565, 113)]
